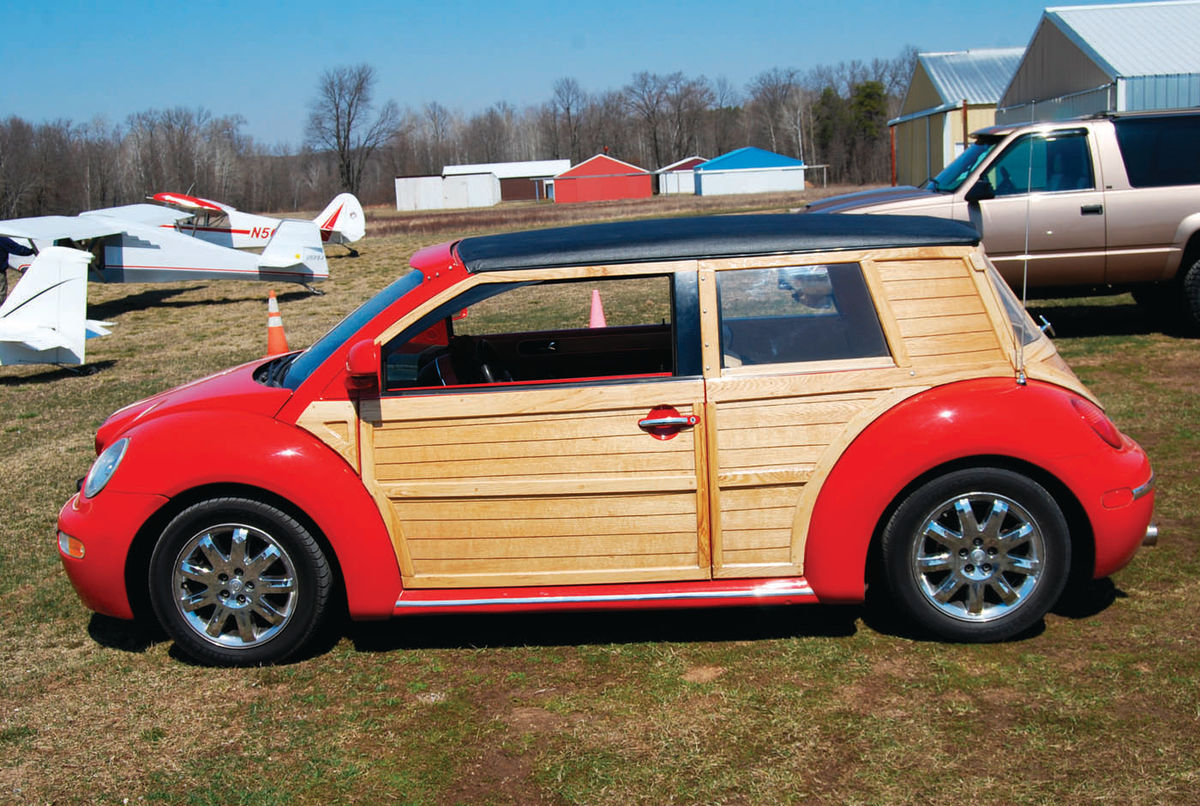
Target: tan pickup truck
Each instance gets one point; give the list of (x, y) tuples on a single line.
[(1110, 202)]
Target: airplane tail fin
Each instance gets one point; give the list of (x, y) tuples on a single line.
[(43, 320), (295, 248), (343, 220)]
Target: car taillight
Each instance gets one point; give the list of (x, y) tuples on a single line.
[(1093, 416)]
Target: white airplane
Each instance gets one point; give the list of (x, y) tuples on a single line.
[(341, 222), (43, 320), (141, 243)]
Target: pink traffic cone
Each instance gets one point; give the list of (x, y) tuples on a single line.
[(597, 317)]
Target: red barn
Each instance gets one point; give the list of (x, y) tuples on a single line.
[(602, 178)]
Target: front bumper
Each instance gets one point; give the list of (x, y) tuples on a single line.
[(106, 527)]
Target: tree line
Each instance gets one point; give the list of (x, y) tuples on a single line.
[(830, 115)]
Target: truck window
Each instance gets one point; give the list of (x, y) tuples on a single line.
[(1043, 162), (1160, 151)]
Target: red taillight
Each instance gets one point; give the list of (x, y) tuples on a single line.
[(1093, 416)]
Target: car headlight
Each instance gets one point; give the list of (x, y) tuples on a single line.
[(103, 468)]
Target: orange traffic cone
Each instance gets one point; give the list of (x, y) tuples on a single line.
[(276, 340), (597, 317)]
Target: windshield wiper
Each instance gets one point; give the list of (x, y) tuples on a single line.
[(278, 370)]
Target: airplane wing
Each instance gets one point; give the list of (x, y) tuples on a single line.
[(149, 214), (53, 227), (92, 224), (193, 204)]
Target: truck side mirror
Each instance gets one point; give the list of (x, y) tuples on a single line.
[(981, 191), (362, 367)]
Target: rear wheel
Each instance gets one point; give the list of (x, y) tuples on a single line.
[(1191, 296), (237, 582), (977, 555)]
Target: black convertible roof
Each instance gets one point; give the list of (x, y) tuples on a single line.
[(706, 237)]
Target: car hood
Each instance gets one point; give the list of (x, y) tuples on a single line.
[(905, 198), (232, 389)]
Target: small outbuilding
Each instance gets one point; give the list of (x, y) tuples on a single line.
[(519, 181), (949, 96), (602, 178), (749, 170), (1108, 58), (447, 192), (679, 177)]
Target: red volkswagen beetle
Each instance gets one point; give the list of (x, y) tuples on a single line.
[(670, 413)]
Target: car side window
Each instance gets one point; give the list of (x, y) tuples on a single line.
[(499, 333), (1160, 151), (797, 314), (1041, 163)]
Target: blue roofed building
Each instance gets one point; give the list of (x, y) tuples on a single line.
[(749, 170)]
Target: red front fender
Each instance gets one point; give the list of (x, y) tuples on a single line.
[(992, 420), (175, 454)]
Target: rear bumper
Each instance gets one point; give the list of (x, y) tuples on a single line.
[(1122, 510)]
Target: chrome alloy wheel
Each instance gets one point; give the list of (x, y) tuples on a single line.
[(235, 585), (978, 556)]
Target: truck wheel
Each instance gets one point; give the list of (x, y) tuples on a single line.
[(976, 555), (237, 582), (1191, 296)]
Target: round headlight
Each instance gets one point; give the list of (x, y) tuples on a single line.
[(103, 468)]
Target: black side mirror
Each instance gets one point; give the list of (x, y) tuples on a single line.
[(981, 191)]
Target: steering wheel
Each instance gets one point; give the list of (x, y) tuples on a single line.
[(476, 361)]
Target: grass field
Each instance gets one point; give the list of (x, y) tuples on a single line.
[(772, 705)]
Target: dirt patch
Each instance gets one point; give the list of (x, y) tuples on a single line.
[(703, 674)]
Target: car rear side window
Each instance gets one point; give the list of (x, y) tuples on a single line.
[(1160, 151), (797, 314)]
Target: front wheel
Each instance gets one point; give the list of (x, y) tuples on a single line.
[(977, 555), (237, 582)]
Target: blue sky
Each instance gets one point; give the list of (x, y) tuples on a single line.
[(79, 60)]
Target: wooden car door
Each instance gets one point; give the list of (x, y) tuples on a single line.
[(544, 475)]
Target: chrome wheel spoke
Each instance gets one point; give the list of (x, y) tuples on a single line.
[(977, 556), (237, 587)]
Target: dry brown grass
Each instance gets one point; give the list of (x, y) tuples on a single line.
[(746, 706)]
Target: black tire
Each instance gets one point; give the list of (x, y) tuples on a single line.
[(236, 582), (1190, 280), (976, 555)]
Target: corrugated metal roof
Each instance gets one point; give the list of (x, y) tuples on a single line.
[(1135, 39), (749, 157), (510, 170), (976, 76)]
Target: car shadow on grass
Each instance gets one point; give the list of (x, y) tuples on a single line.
[(501, 630), (126, 636)]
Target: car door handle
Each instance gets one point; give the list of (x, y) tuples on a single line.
[(1092, 209), (664, 422)]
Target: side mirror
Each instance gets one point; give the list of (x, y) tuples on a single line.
[(362, 367), (981, 191)]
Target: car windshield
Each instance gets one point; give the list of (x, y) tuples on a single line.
[(295, 373), (954, 174)]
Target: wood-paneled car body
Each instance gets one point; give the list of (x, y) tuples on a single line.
[(667, 413)]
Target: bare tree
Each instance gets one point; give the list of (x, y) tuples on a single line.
[(339, 120), (567, 104)]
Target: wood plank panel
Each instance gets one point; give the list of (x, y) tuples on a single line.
[(945, 325), (930, 288), (543, 487), (594, 545)]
